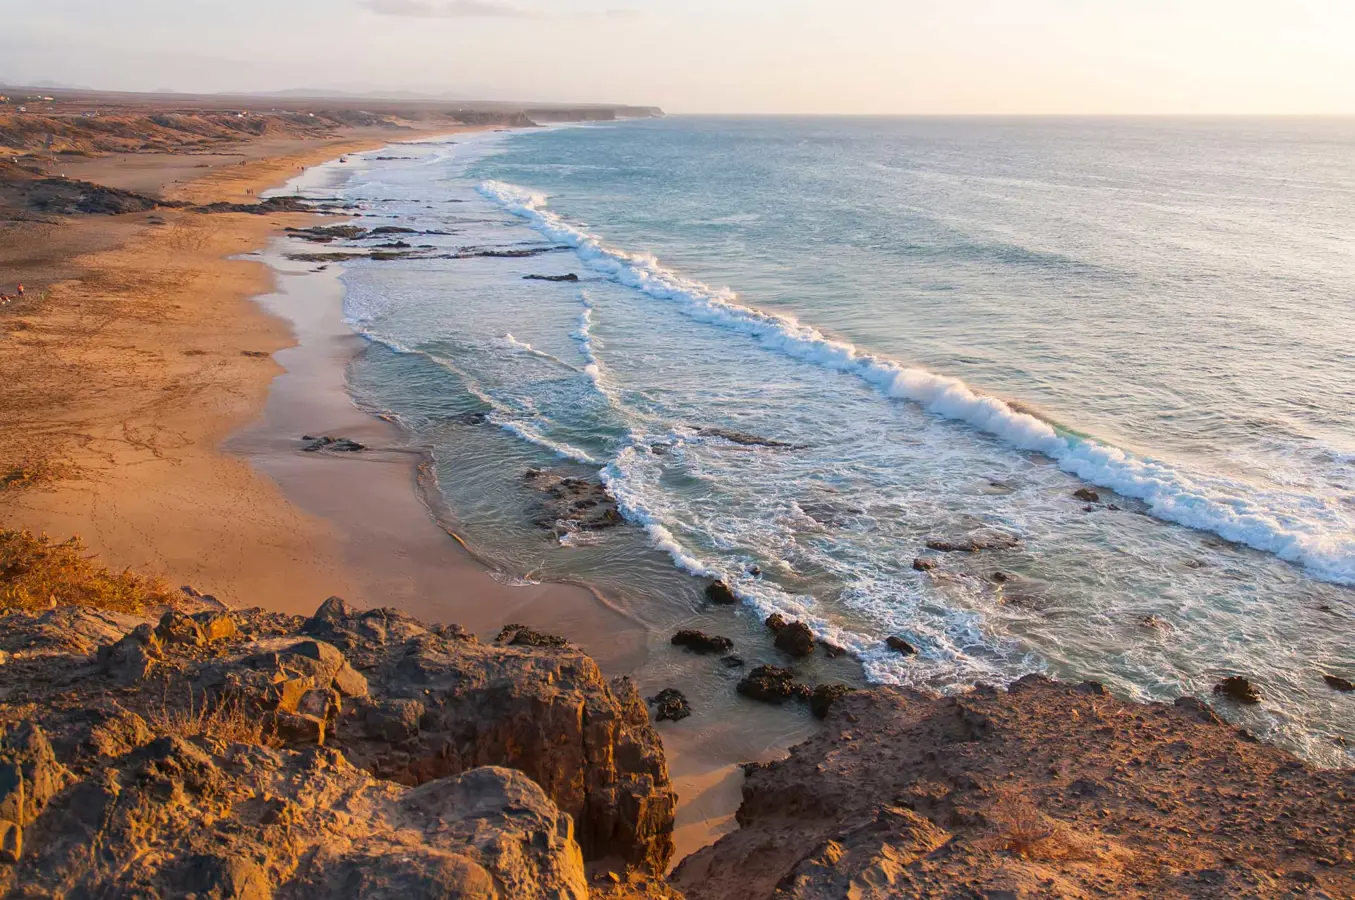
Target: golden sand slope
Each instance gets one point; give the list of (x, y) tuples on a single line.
[(123, 381)]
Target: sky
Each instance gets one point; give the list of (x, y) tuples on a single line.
[(717, 56)]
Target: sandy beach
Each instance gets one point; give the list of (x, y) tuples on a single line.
[(162, 376), (129, 373)]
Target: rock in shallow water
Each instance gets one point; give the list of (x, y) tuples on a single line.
[(670, 705), (899, 645), (333, 444), (720, 593), (773, 684), (700, 642), (1239, 689), (1336, 682), (795, 639), (973, 543)]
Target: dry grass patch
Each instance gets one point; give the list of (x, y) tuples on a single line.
[(36, 573), (32, 473), (1026, 832), (224, 721)]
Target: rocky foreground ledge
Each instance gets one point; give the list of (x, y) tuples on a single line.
[(251, 755), (216, 754)]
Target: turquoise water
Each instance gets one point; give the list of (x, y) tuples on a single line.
[(948, 327)]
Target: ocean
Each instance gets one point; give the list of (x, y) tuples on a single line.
[(800, 350)]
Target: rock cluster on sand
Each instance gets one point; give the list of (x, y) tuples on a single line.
[(349, 754)]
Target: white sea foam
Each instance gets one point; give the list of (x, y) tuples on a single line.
[(532, 351), (584, 335), (1300, 528), (532, 434)]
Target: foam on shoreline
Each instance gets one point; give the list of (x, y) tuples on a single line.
[(1296, 527)]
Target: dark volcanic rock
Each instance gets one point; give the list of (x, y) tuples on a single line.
[(1336, 682), (899, 645), (700, 642), (825, 695), (922, 564), (573, 504), (1087, 495), (570, 277), (1240, 689), (973, 543), (328, 234), (796, 639), (670, 706), (744, 439), (332, 444), (720, 593), (64, 196), (772, 684), (262, 208)]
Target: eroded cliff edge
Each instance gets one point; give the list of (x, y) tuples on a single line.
[(252, 755), (223, 754)]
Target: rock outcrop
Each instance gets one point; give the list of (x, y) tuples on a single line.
[(253, 755), (1043, 790), (573, 504)]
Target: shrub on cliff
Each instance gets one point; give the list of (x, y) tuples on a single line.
[(36, 573)]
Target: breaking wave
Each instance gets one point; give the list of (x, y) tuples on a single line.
[(1296, 527)]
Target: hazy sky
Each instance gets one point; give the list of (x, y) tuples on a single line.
[(848, 56)]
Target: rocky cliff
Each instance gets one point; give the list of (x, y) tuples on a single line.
[(1043, 790), (252, 755), (249, 755)]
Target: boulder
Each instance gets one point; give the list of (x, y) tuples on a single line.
[(132, 658), (899, 645), (825, 695), (719, 593), (772, 684), (796, 640), (175, 628), (216, 626), (1087, 495), (1238, 689), (1337, 683), (700, 642), (670, 705), (922, 564)]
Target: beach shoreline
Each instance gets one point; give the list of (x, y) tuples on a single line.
[(244, 353)]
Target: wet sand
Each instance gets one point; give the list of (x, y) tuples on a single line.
[(402, 553), (175, 367)]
